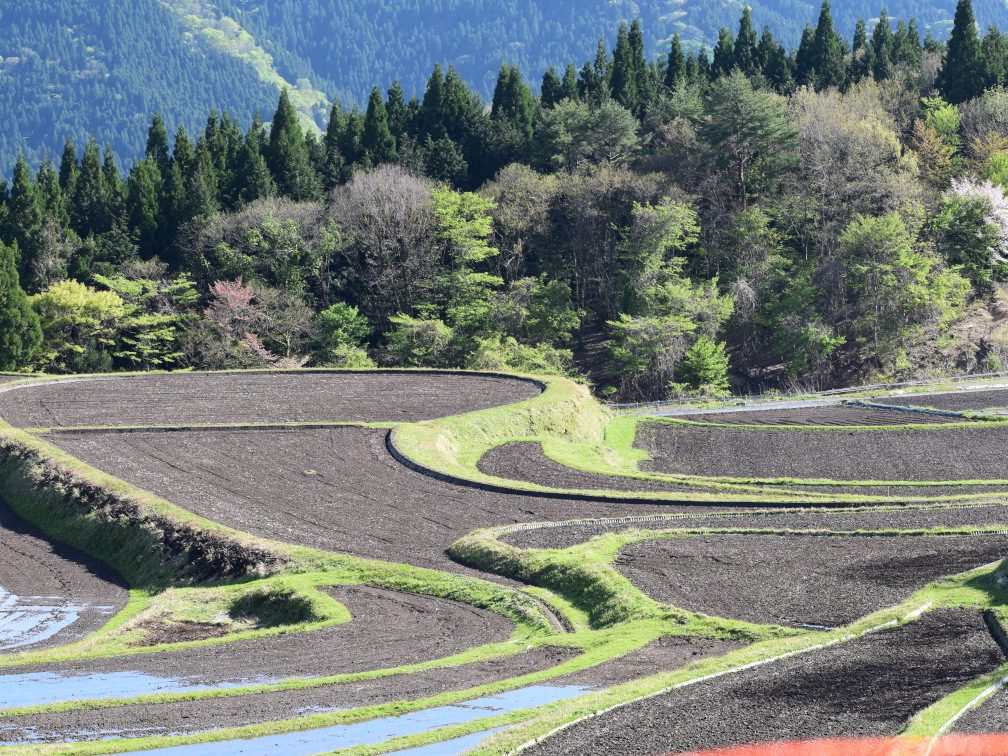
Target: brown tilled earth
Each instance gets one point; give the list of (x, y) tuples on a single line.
[(838, 415), (358, 500), (863, 687), (990, 716), (954, 401), (931, 454), (525, 461), (985, 516), (798, 580), (256, 397)]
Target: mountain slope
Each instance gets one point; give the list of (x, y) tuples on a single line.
[(106, 68)]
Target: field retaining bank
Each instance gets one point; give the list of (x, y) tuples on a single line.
[(148, 541)]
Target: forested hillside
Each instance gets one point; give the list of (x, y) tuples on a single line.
[(761, 219), (104, 66)]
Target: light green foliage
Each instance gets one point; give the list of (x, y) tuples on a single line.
[(418, 343), (20, 334), (463, 227), (968, 238), (645, 352), (663, 310), (504, 353), (229, 263), (945, 124), (349, 357), (340, 331), (342, 324), (809, 346), (894, 280), (649, 263), (996, 169), (155, 312), (944, 119), (753, 253), (537, 309), (74, 318), (705, 366)]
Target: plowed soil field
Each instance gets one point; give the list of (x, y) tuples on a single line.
[(863, 687), (938, 454), (337, 489), (256, 397), (798, 580)]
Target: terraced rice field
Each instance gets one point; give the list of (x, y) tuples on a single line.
[(238, 562)]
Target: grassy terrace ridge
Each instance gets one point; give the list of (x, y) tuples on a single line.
[(586, 576), (158, 547), (976, 588), (578, 432), (183, 568), (453, 445)]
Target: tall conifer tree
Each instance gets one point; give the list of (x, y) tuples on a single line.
[(68, 167), (551, 91), (961, 75), (398, 115), (724, 53), (675, 72), (287, 157), (745, 44), (20, 333), (623, 76), (570, 84), (157, 143), (90, 200), (378, 140), (827, 53)]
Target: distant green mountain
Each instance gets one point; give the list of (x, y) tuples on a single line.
[(71, 68)]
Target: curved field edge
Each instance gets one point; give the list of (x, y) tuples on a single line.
[(617, 457), (977, 589), (578, 432), (936, 719), (585, 574), (595, 647), (157, 546)]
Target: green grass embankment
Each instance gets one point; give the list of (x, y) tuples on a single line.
[(578, 432), (179, 566)]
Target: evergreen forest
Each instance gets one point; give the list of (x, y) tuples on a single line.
[(756, 218), (72, 69)]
